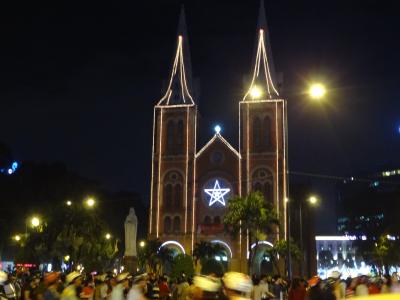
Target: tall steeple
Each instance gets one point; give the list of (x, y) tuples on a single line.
[(263, 84), (179, 87)]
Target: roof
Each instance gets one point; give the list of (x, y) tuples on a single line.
[(218, 137), (263, 73), (180, 81)]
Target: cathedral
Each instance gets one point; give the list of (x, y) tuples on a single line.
[(191, 184)]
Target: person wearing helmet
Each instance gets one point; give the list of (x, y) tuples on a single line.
[(51, 281), (205, 288), (236, 286), (74, 281), (118, 291), (315, 291)]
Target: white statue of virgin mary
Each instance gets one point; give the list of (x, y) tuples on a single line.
[(131, 223)]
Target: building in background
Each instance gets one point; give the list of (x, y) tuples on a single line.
[(368, 205)]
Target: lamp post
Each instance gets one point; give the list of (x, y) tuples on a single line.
[(316, 91), (312, 200)]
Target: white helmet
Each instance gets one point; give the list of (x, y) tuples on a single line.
[(72, 276), (3, 277), (207, 283), (237, 282)]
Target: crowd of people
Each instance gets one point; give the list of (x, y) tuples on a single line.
[(232, 286)]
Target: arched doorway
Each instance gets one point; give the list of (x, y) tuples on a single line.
[(224, 254), (176, 249), (261, 261)]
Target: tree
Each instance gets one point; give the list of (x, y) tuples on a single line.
[(211, 266), (153, 257), (182, 264), (280, 249), (205, 250), (251, 214), (73, 232)]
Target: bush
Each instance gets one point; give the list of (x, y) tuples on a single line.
[(182, 263), (212, 266)]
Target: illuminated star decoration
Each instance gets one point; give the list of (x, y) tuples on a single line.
[(217, 194)]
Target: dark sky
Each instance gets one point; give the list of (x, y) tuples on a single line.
[(79, 80)]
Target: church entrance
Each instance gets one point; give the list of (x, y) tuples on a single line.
[(175, 249), (223, 254), (261, 261)]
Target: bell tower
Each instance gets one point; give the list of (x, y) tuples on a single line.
[(173, 152), (262, 130)]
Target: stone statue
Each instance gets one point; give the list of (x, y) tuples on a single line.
[(131, 223)]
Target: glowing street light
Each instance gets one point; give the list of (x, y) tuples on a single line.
[(108, 236), (35, 221), (67, 258), (255, 92), (69, 203), (317, 91), (142, 244), (312, 200), (90, 202), (17, 237)]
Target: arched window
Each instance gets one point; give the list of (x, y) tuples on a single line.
[(170, 136), (263, 181), (177, 224), (217, 220), (207, 220), (179, 140), (256, 132), (267, 132), (178, 196), (167, 225), (168, 196)]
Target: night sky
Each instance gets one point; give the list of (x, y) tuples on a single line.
[(79, 80)]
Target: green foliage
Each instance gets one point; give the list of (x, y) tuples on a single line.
[(251, 213), (71, 231), (211, 266), (206, 250), (381, 254), (280, 249), (153, 258), (182, 263)]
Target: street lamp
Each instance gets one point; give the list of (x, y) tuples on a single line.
[(17, 237), (108, 236), (35, 222), (142, 244), (317, 91), (312, 200), (69, 203), (90, 202)]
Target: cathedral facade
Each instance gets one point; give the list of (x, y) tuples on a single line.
[(191, 184)]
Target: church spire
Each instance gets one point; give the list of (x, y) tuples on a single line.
[(263, 77), (180, 81)]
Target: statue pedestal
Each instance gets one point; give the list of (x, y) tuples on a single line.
[(131, 264)]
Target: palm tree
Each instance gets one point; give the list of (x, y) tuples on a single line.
[(251, 214)]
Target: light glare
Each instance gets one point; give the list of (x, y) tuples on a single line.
[(217, 129), (317, 91), (35, 222), (255, 92)]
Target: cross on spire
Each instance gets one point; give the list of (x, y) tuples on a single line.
[(180, 81), (263, 77)]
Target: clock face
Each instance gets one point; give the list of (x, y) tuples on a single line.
[(217, 192)]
